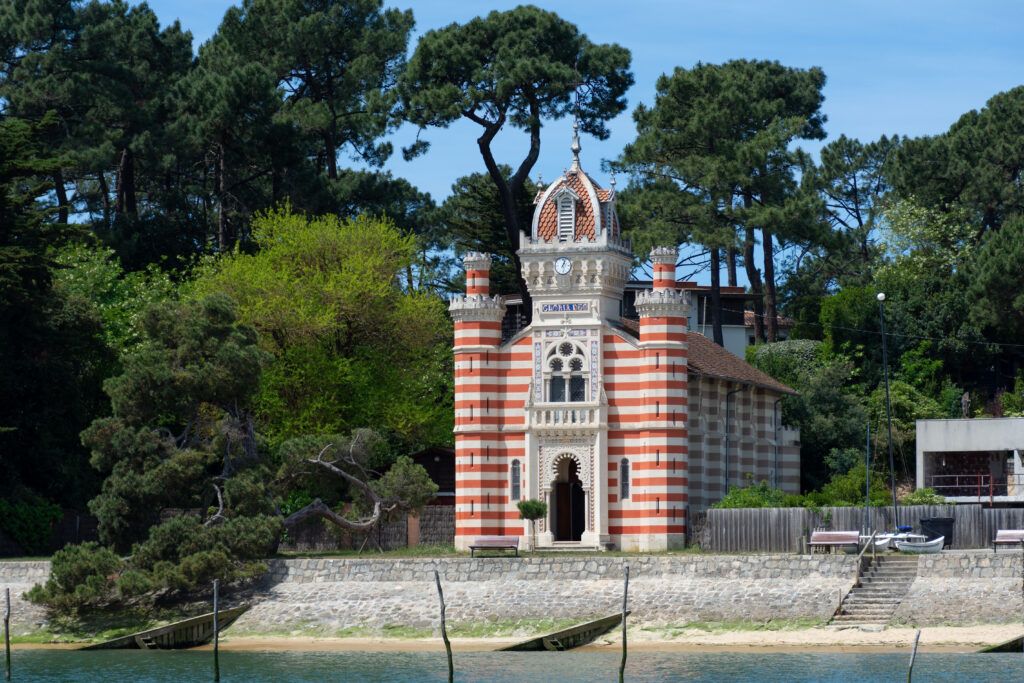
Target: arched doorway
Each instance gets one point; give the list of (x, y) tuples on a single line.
[(569, 512)]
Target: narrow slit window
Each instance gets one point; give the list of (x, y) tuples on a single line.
[(515, 480), (624, 479)]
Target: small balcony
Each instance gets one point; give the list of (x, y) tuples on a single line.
[(566, 416)]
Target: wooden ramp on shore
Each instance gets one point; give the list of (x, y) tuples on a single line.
[(177, 636), (568, 638)]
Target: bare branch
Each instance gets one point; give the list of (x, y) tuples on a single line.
[(218, 516)]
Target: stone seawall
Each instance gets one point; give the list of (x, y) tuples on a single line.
[(19, 577), (336, 596), (965, 588), (329, 596)]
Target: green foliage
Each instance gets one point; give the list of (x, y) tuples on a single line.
[(829, 410), (473, 221), (923, 497), (786, 360), (80, 576), (1012, 402), (532, 509), (907, 405), (181, 554), (336, 63), (842, 460), (997, 281), (712, 163), (29, 525), (408, 482), (351, 348), (512, 69), (179, 416), (120, 298), (847, 489), (50, 344), (295, 500), (759, 495), (849, 319), (973, 166)]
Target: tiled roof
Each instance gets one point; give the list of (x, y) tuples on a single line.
[(748, 320), (547, 224), (711, 360), (705, 357)]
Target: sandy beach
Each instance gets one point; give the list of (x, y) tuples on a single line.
[(827, 639)]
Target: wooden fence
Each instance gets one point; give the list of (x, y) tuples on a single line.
[(781, 529)]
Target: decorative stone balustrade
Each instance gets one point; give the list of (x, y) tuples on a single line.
[(562, 416)]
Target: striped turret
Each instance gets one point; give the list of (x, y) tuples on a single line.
[(478, 269), (659, 472), (480, 488), (664, 261)]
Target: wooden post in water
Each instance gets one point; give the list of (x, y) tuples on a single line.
[(625, 597), (7, 633), (444, 631), (216, 643), (913, 654)]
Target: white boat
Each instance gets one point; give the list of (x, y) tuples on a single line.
[(933, 546), (882, 542)]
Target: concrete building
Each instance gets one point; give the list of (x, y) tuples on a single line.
[(624, 427), (972, 461)]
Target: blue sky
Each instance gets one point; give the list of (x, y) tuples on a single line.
[(906, 67)]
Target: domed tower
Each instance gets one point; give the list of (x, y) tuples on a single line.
[(574, 260)]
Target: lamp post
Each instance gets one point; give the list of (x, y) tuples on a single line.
[(888, 409)]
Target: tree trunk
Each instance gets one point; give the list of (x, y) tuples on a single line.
[(331, 151), (125, 201), (62, 196), (222, 218), (769, 286), (730, 265), (716, 297), (101, 179), (754, 276), (508, 189)]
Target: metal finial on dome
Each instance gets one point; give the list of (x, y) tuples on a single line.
[(576, 144), (540, 179), (613, 179)]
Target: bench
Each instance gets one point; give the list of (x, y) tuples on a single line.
[(1007, 536), (494, 543), (830, 539)]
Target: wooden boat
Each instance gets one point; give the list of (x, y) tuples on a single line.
[(1013, 645), (568, 638), (177, 636), (932, 546)]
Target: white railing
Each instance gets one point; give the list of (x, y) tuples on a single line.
[(564, 416)]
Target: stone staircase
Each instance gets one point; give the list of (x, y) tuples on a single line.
[(881, 586)]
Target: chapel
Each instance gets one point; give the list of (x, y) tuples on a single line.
[(625, 427)]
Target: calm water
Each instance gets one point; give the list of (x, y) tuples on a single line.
[(259, 667)]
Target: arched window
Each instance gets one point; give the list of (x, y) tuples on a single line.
[(566, 373), (624, 479), (515, 480)]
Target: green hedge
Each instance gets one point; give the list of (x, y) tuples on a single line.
[(29, 525)]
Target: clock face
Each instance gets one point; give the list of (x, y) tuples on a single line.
[(563, 266)]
